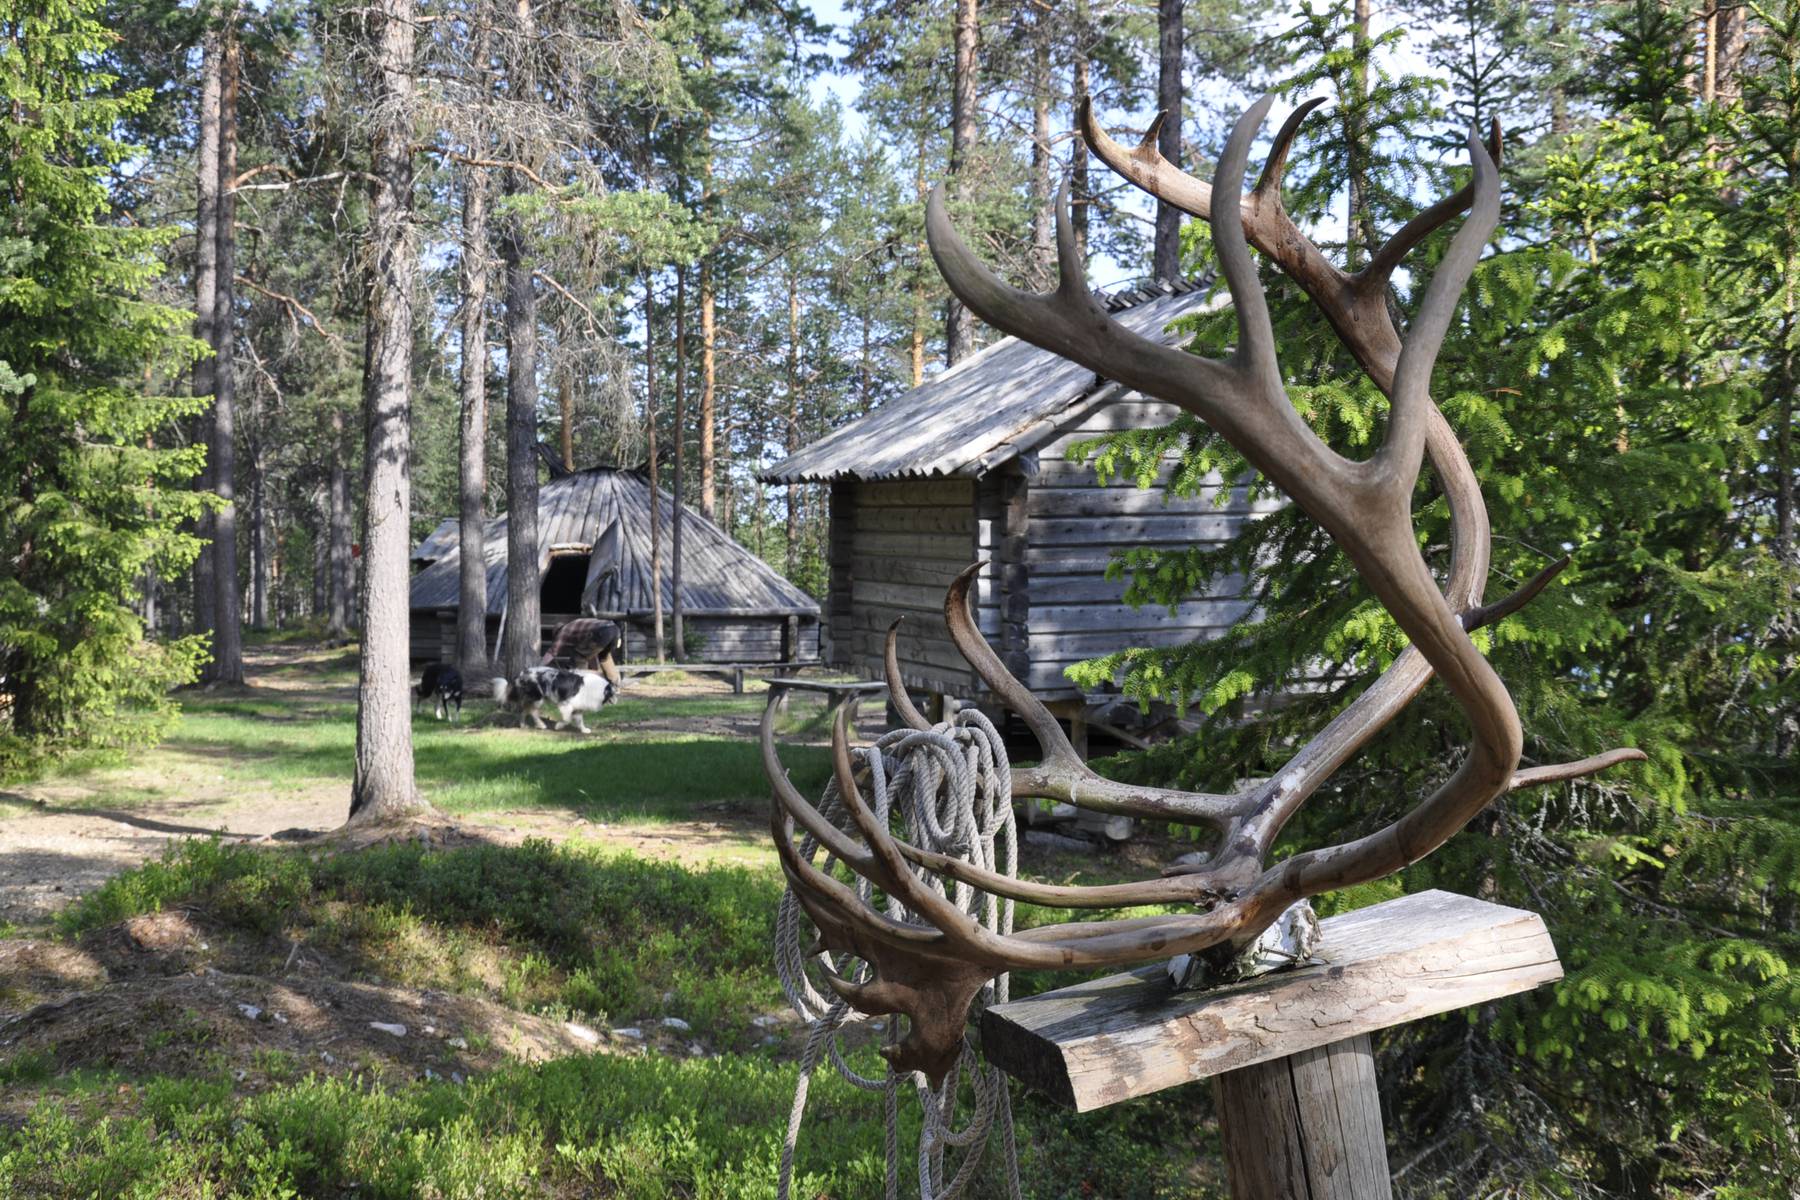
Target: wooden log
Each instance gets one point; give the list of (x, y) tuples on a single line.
[(1108, 1040), (1308, 1125)]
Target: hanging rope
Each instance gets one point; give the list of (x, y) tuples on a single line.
[(948, 789)]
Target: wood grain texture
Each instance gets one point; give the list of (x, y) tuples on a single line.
[(1307, 1126), (1112, 1039)]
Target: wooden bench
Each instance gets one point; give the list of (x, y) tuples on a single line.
[(732, 673), (837, 695)]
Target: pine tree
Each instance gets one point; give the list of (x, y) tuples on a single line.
[(88, 499)]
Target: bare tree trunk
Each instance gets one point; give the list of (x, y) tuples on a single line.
[(471, 492), (341, 617), (260, 574), (1043, 240), (206, 283), (565, 409), (680, 441), (228, 596), (321, 577), (708, 394), (524, 616), (1080, 193), (656, 571), (1358, 233), (384, 786), (920, 191), (790, 438), (959, 326), (1168, 139)]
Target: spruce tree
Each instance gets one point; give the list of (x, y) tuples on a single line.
[(89, 498)]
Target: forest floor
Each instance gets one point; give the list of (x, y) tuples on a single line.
[(561, 985)]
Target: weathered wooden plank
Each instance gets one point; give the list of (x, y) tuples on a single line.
[(1305, 1126), (912, 493), (1126, 499), (1073, 647), (1126, 531), (916, 520), (1123, 619), (949, 547), (1112, 1039)]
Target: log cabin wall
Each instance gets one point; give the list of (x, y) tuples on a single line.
[(1072, 527), (908, 539)]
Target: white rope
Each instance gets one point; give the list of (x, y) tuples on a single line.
[(948, 789)]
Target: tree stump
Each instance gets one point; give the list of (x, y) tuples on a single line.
[(1290, 1053)]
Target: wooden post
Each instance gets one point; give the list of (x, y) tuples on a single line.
[(1290, 1052)]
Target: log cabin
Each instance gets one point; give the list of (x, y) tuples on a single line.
[(978, 464)]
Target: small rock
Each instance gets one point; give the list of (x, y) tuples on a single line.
[(240, 1075), (456, 1077), (327, 1057), (677, 1024), (431, 1030), (251, 1012), (582, 1032), (770, 1040), (765, 1021), (385, 1027), (629, 1031), (279, 1018), (204, 946), (668, 997), (1194, 858), (430, 1074), (696, 1049), (457, 1044)]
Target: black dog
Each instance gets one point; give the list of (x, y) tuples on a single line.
[(444, 682)]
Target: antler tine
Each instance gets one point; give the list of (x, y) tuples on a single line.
[(1062, 775), (1256, 336), (1015, 695), (1268, 184), (1411, 400), (1397, 247), (789, 800), (897, 693)]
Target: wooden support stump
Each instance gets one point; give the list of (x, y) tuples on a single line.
[(1290, 1052)]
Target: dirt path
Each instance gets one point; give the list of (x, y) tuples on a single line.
[(64, 836)]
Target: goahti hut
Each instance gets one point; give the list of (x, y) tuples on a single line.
[(594, 560)]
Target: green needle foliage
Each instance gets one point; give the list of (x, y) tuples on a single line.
[(86, 507), (1622, 378)]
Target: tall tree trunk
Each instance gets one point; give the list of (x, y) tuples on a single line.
[(524, 617), (228, 596), (1168, 138), (656, 569), (565, 410), (1080, 193), (709, 415), (321, 574), (921, 275), (341, 617), (1358, 231), (791, 434), (1043, 222), (471, 489), (260, 567), (675, 614), (959, 326), (206, 284), (383, 787)]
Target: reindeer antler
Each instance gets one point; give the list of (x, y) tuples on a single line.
[(933, 970)]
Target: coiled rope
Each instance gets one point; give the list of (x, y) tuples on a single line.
[(948, 789)]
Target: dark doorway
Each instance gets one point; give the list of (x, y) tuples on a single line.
[(563, 581)]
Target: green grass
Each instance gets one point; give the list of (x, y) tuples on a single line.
[(280, 743), (574, 931)]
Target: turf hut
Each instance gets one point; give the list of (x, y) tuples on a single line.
[(594, 560), (976, 464)]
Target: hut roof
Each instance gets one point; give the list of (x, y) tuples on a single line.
[(438, 542), (982, 412), (605, 511)]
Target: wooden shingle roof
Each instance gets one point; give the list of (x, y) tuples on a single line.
[(982, 412), (609, 508)]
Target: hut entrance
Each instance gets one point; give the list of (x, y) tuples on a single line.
[(565, 578)]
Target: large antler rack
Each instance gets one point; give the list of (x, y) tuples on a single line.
[(932, 971)]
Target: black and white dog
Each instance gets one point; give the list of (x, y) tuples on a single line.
[(570, 693), (444, 682)]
